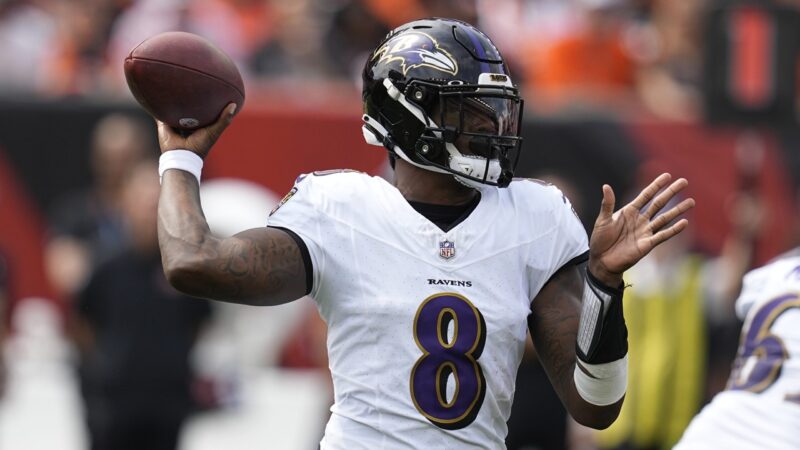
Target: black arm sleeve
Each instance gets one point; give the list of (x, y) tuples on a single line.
[(611, 340)]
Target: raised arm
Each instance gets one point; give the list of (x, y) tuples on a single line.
[(262, 266), (554, 330), (577, 323)]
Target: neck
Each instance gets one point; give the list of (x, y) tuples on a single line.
[(420, 185)]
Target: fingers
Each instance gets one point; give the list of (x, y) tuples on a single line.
[(650, 191), (166, 132), (228, 112), (664, 197), (668, 233), (167, 137), (674, 212), (225, 117), (162, 127), (608, 202)]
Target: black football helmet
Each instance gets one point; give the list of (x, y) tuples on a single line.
[(438, 94)]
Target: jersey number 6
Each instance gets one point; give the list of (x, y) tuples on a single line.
[(446, 354), (761, 354)]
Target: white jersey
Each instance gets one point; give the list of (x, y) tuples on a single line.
[(760, 409), (426, 328)]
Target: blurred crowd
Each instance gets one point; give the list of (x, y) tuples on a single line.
[(130, 358), (625, 55)]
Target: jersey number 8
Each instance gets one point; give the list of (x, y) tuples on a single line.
[(447, 354)]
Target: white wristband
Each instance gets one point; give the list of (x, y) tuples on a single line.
[(181, 160), (604, 384)]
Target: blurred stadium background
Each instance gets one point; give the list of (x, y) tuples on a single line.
[(615, 91)]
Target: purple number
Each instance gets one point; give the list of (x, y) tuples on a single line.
[(444, 356), (767, 348)]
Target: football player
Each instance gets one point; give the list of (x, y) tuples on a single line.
[(429, 283), (760, 407)]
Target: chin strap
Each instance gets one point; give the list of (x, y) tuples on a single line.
[(474, 166)]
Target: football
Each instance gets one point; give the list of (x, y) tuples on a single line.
[(183, 79)]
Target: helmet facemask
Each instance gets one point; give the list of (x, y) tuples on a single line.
[(477, 126), (468, 130)]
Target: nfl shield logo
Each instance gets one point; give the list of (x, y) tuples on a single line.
[(447, 249)]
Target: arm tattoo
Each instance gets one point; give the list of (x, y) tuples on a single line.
[(554, 326), (259, 266)]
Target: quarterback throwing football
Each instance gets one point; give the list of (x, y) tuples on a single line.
[(429, 283)]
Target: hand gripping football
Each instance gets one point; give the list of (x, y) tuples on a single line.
[(182, 79)]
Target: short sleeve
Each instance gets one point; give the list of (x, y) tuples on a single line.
[(573, 243), (299, 211)]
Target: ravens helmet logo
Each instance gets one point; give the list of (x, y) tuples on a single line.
[(416, 49)]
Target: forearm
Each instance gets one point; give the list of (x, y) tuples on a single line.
[(559, 360), (184, 237), (554, 327), (195, 261)]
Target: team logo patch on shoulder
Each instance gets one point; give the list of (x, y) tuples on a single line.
[(447, 249), (285, 199), (416, 49)]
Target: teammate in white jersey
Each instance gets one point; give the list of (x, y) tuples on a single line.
[(760, 408), (429, 283)]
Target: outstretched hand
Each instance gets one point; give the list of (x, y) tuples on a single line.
[(200, 140), (620, 239)]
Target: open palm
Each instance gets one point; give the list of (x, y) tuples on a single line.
[(620, 239)]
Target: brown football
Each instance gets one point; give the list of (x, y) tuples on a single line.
[(183, 79)]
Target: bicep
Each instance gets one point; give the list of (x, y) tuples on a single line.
[(266, 264), (261, 266)]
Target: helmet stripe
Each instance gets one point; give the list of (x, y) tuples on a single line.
[(481, 51)]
